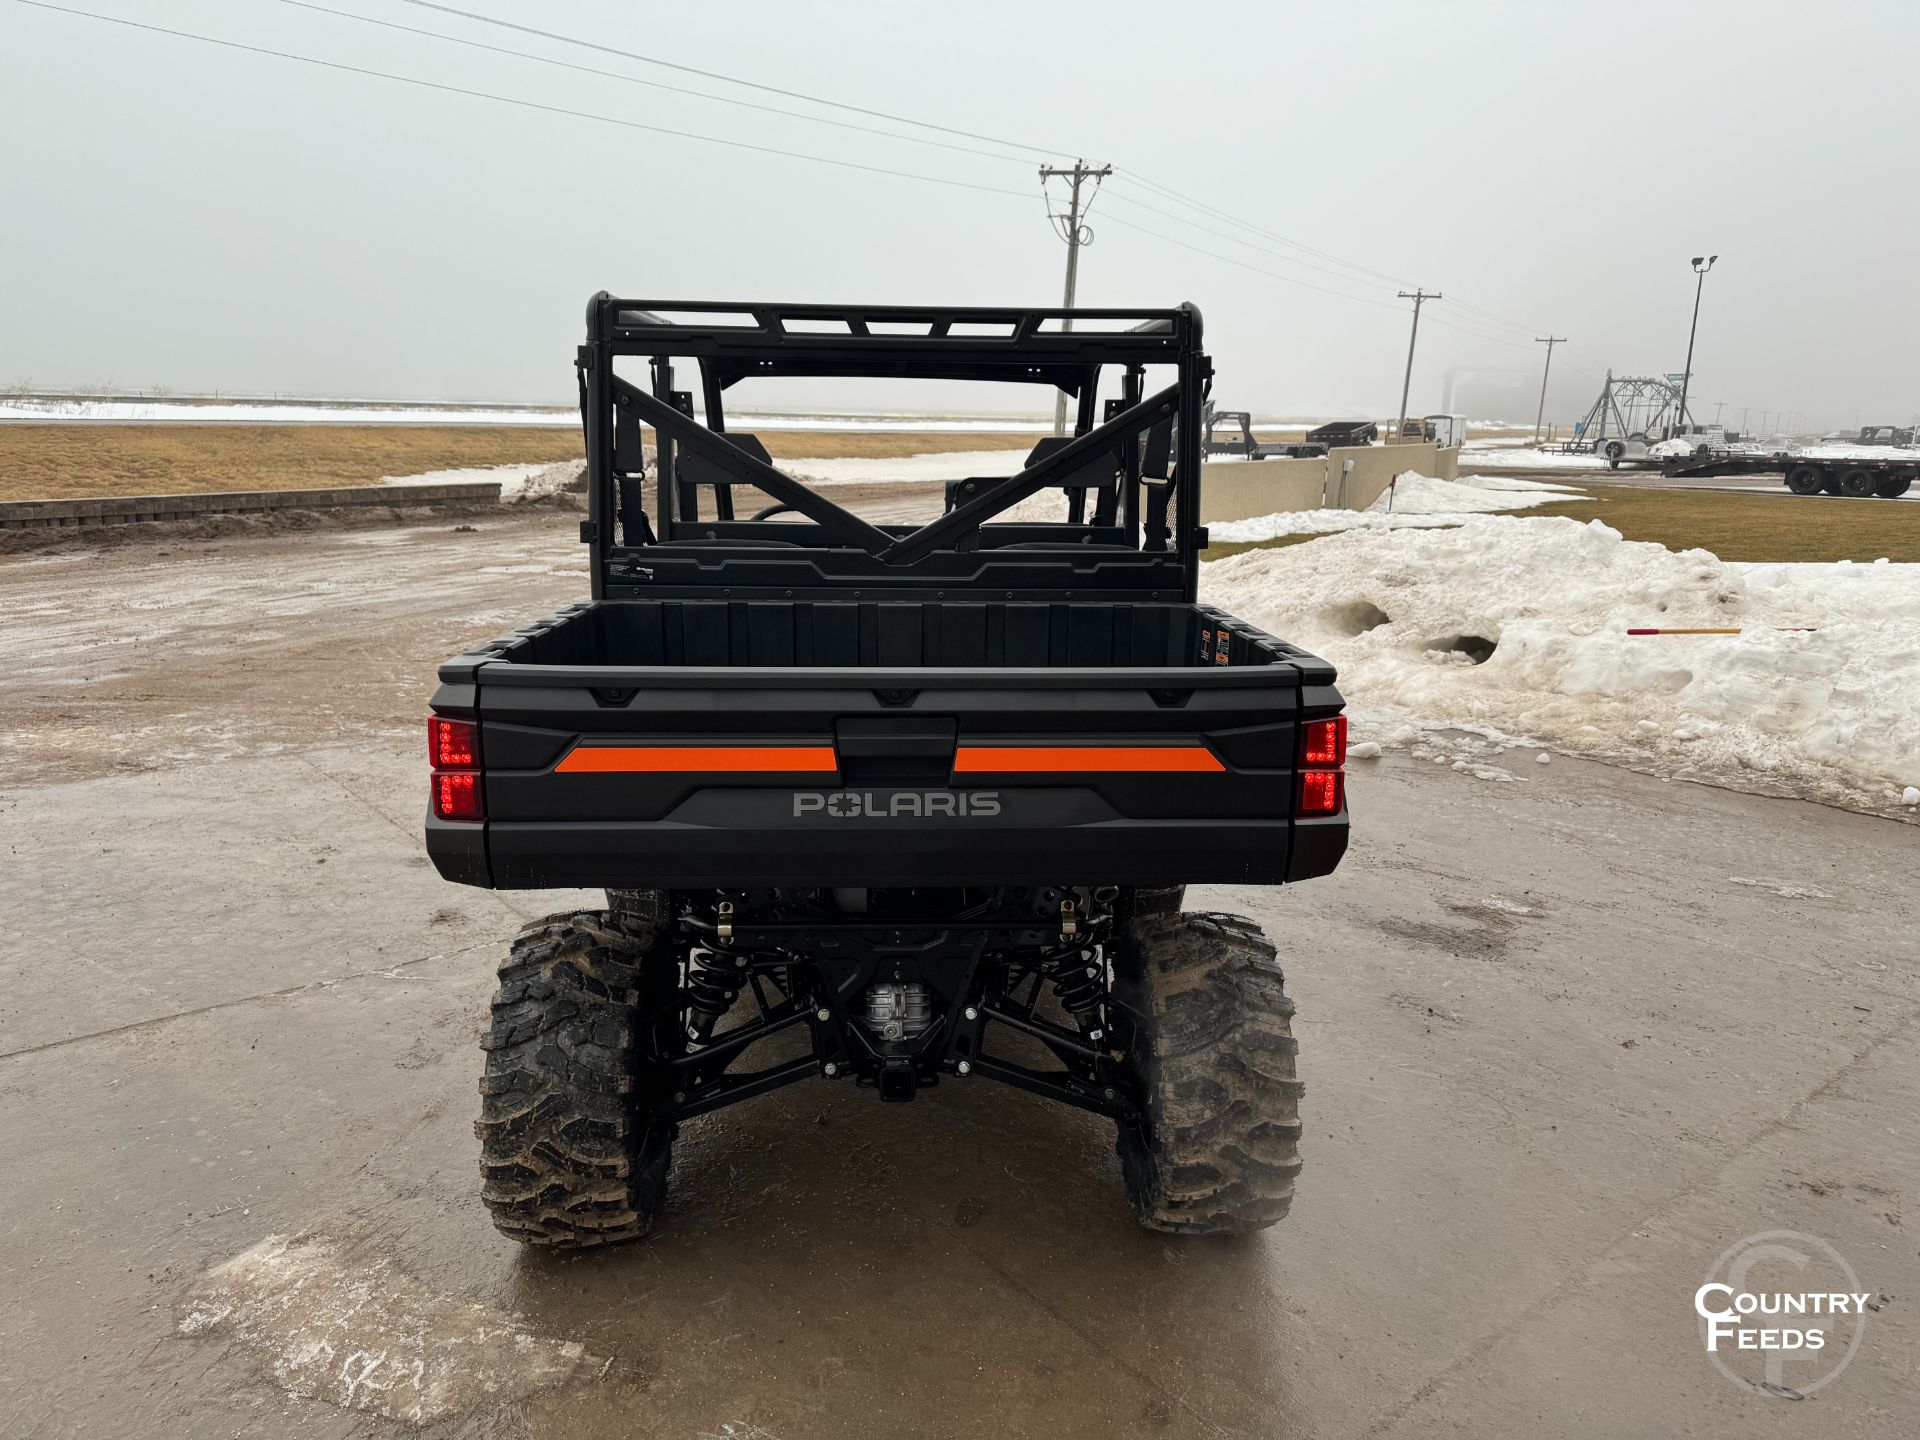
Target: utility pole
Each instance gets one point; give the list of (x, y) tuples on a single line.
[(1701, 264), (1745, 411), (1549, 341), (1418, 297), (1076, 235)]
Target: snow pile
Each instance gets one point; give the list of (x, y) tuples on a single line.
[(1414, 500), (1413, 493), (937, 465), (1523, 457), (516, 482), (1853, 450), (1515, 628)]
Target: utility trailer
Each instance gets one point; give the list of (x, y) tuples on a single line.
[(1858, 477), (1344, 433), (919, 803)]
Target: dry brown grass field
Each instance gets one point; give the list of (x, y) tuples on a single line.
[(54, 461), (61, 461), (1760, 527), (884, 444), (1764, 528)]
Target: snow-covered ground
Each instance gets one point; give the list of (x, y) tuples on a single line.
[(1843, 450), (1505, 636), (270, 412), (936, 465), (1495, 455), (1413, 501), (147, 410), (907, 424)]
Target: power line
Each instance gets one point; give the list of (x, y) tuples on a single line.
[(527, 104), (732, 79), (1141, 180), (1137, 179), (1352, 265), (1202, 205), (1233, 239), (652, 84), (1242, 264), (1304, 284), (1497, 319), (497, 98), (1477, 334), (766, 109)]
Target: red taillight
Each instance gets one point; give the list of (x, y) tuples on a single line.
[(1323, 750), (453, 744), (1320, 792), (456, 796), (454, 748), (1326, 742)]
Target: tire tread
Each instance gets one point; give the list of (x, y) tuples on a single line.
[(565, 1162), (1220, 1149)]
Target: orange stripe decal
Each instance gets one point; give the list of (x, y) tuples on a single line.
[(698, 759), (1084, 759)]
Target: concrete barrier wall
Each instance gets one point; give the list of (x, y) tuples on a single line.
[(1345, 479), (126, 509)]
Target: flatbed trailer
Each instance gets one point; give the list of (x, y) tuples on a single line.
[(1855, 476), (1230, 432)]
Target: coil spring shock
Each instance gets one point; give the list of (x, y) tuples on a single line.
[(1080, 980), (712, 986)]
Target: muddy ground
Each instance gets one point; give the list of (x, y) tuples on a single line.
[(1565, 1040)]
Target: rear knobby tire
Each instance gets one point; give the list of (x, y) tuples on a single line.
[(1214, 1058), (1143, 901), (644, 914), (567, 1160)]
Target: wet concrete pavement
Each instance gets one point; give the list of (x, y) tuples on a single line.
[(1565, 1041)]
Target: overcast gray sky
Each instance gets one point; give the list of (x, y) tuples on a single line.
[(182, 215)]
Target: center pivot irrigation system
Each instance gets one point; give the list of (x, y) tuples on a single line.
[(1630, 408)]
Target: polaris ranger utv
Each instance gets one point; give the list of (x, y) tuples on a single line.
[(890, 798)]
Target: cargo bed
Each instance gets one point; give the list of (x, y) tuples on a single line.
[(1117, 744)]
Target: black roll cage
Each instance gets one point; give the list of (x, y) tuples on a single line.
[(1142, 538)]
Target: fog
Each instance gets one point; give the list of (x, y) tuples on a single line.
[(200, 218)]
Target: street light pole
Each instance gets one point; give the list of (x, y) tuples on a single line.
[(1700, 267)]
